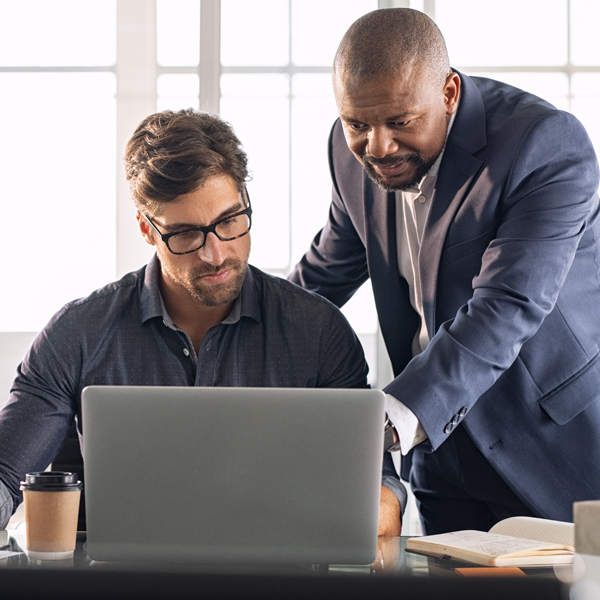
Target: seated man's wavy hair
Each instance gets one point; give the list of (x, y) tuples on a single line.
[(172, 153)]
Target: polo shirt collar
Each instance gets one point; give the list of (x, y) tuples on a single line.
[(151, 303), (247, 304)]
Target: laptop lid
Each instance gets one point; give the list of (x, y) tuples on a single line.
[(232, 475)]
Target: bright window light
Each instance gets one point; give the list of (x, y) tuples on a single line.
[(585, 16), (531, 33), (176, 91), (38, 33), (254, 33), (319, 25), (57, 167), (178, 33)]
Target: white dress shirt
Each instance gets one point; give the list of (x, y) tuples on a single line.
[(412, 208)]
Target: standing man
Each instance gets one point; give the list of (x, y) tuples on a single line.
[(196, 315), (473, 208)]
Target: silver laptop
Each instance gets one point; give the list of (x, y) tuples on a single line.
[(232, 475)]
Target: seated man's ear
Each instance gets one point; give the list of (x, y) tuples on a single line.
[(145, 229)]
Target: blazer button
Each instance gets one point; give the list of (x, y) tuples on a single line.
[(462, 412), (449, 427), (455, 419)]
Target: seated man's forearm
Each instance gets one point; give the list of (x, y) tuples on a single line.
[(6, 506), (390, 515), (393, 498)]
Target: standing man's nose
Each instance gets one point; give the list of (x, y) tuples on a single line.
[(381, 142)]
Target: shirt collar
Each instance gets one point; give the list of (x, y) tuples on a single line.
[(152, 305), (247, 303), (436, 165)]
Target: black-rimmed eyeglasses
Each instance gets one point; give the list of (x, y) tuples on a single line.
[(229, 228)]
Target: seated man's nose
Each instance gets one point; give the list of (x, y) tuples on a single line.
[(213, 250)]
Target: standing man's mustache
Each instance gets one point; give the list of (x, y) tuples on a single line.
[(390, 159)]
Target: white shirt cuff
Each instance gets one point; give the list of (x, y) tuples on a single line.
[(407, 425)]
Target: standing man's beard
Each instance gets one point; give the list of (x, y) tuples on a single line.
[(422, 167)]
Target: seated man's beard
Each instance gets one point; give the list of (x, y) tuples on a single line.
[(219, 294), (212, 294)]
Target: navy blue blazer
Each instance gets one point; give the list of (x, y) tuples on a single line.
[(510, 276)]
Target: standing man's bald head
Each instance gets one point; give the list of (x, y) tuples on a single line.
[(385, 41), (395, 94)]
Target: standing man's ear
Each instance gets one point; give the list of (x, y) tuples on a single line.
[(145, 228), (451, 92)]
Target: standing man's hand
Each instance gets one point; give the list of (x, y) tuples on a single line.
[(390, 516)]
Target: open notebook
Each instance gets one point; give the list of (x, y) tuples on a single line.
[(516, 541)]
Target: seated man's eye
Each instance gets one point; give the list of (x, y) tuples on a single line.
[(189, 235)]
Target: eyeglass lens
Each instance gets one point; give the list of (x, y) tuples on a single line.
[(229, 229)]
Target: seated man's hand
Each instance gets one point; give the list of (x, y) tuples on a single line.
[(390, 521), (390, 517), (388, 555)]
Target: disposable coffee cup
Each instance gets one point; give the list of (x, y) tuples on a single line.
[(51, 510)]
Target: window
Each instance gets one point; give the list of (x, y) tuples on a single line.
[(77, 77), (57, 155), (547, 47)]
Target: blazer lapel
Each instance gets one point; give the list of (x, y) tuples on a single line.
[(457, 173), (451, 190)]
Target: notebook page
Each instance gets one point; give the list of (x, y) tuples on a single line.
[(543, 530)]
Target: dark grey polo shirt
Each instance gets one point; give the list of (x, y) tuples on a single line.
[(277, 335)]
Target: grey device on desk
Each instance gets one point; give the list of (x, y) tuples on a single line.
[(232, 475)]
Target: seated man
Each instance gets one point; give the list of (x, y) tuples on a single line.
[(197, 314)]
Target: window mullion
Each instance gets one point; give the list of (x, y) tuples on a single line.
[(136, 99), (210, 55)]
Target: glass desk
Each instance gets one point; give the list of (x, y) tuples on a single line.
[(395, 574)]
